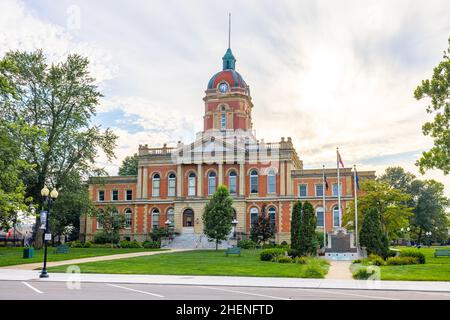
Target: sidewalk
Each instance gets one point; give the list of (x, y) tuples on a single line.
[(38, 265), (33, 275), (339, 270)]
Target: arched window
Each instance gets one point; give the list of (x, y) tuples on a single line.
[(272, 218), (155, 218), (128, 220), (271, 181), (155, 185), (254, 181), (319, 216), (223, 121), (191, 184), (171, 185), (336, 216), (171, 216), (232, 182), (211, 182), (254, 216)]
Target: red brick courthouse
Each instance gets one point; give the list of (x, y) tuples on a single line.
[(174, 183)]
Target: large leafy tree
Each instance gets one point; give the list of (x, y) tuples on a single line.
[(391, 204), (262, 230), (438, 90), (12, 189), (57, 101), (218, 216), (429, 211), (427, 200), (129, 166)]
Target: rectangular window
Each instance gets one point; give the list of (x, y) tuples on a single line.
[(271, 185), (319, 190), (101, 195), (191, 189), (211, 185), (232, 184), (335, 189), (303, 190), (171, 190), (223, 121), (155, 189), (115, 195), (253, 184), (320, 218), (129, 195)]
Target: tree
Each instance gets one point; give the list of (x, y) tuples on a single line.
[(111, 221), (391, 203), (427, 200), (262, 230), (72, 200), (57, 103), (12, 189), (307, 244), (372, 236), (295, 224), (429, 211), (129, 166), (218, 216), (438, 88)]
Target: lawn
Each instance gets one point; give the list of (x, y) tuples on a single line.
[(205, 262), (12, 256), (435, 269)]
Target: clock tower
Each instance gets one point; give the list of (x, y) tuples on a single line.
[(228, 104)]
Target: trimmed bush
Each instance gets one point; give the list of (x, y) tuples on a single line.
[(400, 261), (282, 259), (129, 244), (247, 244), (269, 254), (102, 238), (313, 272), (414, 254), (300, 260), (293, 253), (363, 273), (376, 260), (151, 244), (357, 261)]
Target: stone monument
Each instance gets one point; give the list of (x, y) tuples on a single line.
[(341, 245)]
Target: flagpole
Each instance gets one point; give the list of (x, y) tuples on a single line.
[(324, 209), (339, 187), (356, 206)]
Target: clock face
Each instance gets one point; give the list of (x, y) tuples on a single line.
[(223, 87)]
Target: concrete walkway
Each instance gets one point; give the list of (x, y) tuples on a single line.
[(339, 270), (38, 265), (270, 282)]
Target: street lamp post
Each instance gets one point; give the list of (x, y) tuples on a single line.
[(49, 200), (234, 223)]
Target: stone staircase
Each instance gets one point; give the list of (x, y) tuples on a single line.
[(194, 241)]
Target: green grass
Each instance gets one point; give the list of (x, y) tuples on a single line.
[(206, 262), (13, 256), (434, 269)]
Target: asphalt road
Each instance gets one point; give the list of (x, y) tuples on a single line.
[(36, 290)]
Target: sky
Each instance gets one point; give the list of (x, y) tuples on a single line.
[(326, 73)]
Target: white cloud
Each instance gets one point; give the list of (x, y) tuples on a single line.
[(326, 73)]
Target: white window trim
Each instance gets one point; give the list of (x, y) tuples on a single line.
[(315, 189), (98, 196), (299, 193), (112, 195), (126, 194), (332, 189)]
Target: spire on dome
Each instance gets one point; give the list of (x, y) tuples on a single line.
[(229, 60)]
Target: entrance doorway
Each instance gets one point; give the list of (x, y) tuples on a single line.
[(188, 218)]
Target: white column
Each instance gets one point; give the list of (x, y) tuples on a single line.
[(199, 180), (220, 176), (241, 179), (144, 183), (282, 179), (179, 180), (139, 184)]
